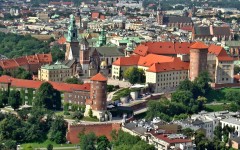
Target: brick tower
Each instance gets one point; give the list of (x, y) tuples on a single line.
[(198, 59), (98, 97)]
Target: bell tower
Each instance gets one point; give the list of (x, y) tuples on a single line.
[(84, 56), (159, 14), (102, 39), (72, 44)]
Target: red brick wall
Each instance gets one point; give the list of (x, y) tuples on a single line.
[(98, 128)]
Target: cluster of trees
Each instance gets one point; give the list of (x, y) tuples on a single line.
[(219, 141), (13, 46), (189, 98), (20, 73), (120, 141), (73, 80), (36, 125), (47, 97), (134, 75), (12, 98)]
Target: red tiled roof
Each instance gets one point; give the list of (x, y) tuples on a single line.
[(102, 17), (95, 15), (177, 64), (61, 40), (236, 77), (187, 28), (21, 61), (5, 79), (163, 48), (199, 45), (99, 77), (146, 61), (127, 61), (150, 59), (220, 52), (44, 58), (8, 64), (171, 141), (36, 84)]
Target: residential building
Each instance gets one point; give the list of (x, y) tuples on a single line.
[(166, 64), (129, 3), (56, 72), (70, 93), (207, 33), (162, 139), (173, 21), (30, 63)]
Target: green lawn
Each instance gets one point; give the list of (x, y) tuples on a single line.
[(218, 95), (213, 108), (89, 119), (44, 145)]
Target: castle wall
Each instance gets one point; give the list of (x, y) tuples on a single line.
[(97, 128)]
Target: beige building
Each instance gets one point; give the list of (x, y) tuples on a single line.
[(56, 72), (164, 73)]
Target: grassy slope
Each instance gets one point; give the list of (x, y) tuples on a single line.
[(44, 145), (218, 95)]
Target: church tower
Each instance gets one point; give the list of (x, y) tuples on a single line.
[(159, 14), (102, 39), (78, 14), (72, 44), (84, 56)]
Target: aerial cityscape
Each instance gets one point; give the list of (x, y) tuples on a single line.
[(119, 75)]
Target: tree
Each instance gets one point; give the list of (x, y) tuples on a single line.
[(49, 147), (134, 75), (73, 80), (142, 145), (103, 143), (182, 97), (4, 97), (57, 54), (201, 84), (58, 129), (87, 141), (14, 99), (47, 97), (200, 140), (10, 145), (232, 95), (236, 69), (188, 132), (90, 113), (185, 85), (201, 100)]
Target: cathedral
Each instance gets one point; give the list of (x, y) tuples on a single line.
[(84, 62)]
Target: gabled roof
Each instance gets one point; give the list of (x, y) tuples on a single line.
[(21, 83), (176, 65), (127, 61), (177, 19), (108, 51), (99, 77), (163, 48), (145, 61), (220, 53)]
